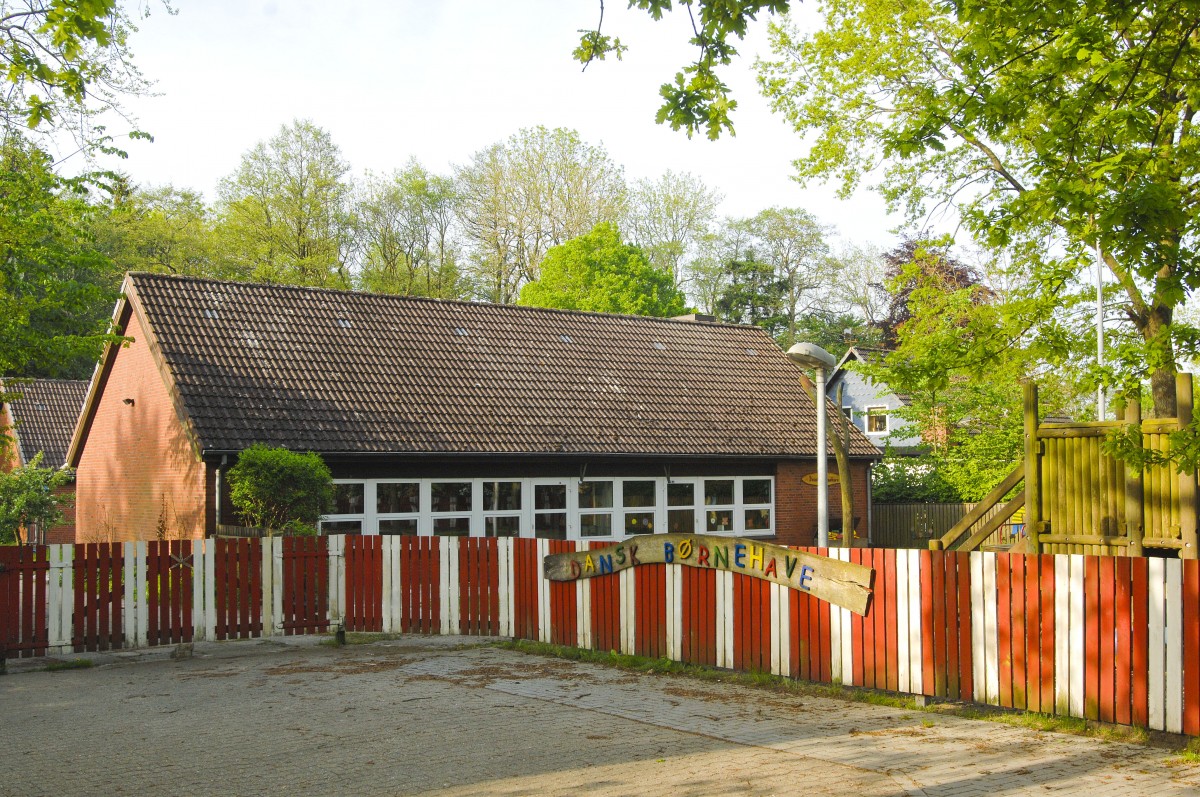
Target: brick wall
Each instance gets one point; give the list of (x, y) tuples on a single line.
[(137, 471), (796, 502)]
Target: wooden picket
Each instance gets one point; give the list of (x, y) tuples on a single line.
[(98, 569), (238, 595), (697, 618), (304, 586), (169, 591), (526, 567), (479, 586), (420, 605), (364, 583)]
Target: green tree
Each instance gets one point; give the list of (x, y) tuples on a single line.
[(281, 490), (598, 273), (792, 243), (285, 214), (165, 230), (28, 499), (1055, 129), (405, 224), (57, 290), (668, 217), (519, 198)]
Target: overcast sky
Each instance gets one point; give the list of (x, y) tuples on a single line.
[(440, 79)]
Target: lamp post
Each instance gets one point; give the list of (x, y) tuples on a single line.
[(810, 355)]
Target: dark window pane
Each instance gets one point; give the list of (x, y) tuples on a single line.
[(595, 495), (550, 526), (683, 494), (639, 523), (501, 496), (450, 496), (550, 496), (396, 497), (721, 520), (718, 492), (637, 494), (681, 521), (399, 527), (502, 527), (758, 519), (341, 527), (347, 499), (595, 525), (756, 491), (452, 526)]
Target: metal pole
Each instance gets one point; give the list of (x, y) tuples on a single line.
[(822, 466), (1100, 409)]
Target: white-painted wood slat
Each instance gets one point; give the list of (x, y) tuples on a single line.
[(1156, 584), (991, 660), (200, 631), (915, 613), (1173, 696), (543, 591), (210, 588), (779, 634), (583, 612), (270, 617), (1076, 667), (504, 549), (141, 594), (129, 609), (903, 662), (61, 599), (978, 650), (1062, 634)]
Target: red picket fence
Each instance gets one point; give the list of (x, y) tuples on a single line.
[(169, 575), (239, 594), (420, 585), (479, 586), (23, 630), (99, 588), (305, 586), (364, 584)]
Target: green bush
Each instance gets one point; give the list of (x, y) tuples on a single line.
[(27, 498), (897, 480), (281, 490)]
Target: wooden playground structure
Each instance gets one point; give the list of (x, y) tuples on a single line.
[(1079, 499)]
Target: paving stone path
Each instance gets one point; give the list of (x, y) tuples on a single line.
[(446, 716)]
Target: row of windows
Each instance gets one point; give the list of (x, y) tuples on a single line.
[(556, 509)]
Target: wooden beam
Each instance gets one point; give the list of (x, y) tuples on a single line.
[(1134, 510), (986, 530), (1187, 479), (1033, 466), (948, 540)]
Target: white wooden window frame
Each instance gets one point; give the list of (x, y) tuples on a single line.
[(885, 413), (370, 517)]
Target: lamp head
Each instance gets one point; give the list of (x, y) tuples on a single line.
[(810, 355)]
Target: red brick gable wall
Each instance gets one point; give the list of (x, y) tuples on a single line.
[(138, 477), (796, 502)]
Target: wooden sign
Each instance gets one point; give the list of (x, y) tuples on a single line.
[(812, 479), (845, 584)]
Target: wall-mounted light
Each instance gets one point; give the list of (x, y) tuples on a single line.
[(128, 401)]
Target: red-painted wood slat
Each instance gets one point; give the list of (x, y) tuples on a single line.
[(1140, 643), (1091, 637)]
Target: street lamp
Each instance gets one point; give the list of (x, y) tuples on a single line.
[(810, 355)]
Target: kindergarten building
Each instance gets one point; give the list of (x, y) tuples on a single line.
[(448, 418)]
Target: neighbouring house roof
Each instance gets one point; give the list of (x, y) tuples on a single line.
[(866, 354), (44, 412), (357, 373)]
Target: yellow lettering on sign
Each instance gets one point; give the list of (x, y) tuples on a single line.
[(588, 565)]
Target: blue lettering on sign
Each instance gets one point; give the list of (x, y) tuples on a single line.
[(668, 552), (605, 564), (805, 576), (739, 553)]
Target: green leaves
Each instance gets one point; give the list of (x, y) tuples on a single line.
[(696, 100), (598, 273), (276, 488), (28, 498)]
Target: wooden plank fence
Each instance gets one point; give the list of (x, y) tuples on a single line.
[(1115, 639)]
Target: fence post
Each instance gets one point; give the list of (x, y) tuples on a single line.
[(1187, 479), (1033, 470), (1135, 528)]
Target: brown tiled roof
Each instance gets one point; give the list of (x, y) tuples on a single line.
[(341, 372), (45, 413)]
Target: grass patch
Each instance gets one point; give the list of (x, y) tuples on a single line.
[(1024, 719), (69, 664)]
